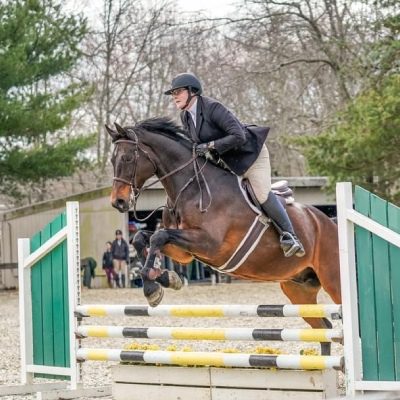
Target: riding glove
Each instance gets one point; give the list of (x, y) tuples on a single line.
[(203, 148)]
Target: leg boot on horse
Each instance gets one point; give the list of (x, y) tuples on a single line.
[(154, 278)]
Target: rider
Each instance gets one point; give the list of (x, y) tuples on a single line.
[(215, 129)]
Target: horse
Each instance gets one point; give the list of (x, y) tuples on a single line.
[(208, 215)]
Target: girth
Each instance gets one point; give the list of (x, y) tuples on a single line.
[(247, 245)]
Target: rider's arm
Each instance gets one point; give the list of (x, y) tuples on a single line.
[(227, 122)]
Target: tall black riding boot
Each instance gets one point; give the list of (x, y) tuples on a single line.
[(290, 243)]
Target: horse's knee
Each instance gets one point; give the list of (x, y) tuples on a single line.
[(140, 241), (159, 238)]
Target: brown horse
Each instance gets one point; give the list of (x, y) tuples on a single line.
[(208, 216)]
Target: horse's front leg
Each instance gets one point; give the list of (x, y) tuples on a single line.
[(140, 242), (154, 293), (190, 240)]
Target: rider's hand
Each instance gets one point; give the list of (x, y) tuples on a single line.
[(203, 148)]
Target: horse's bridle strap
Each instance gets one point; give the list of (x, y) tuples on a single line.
[(136, 192), (123, 181), (131, 183), (171, 173)]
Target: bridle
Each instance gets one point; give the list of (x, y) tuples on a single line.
[(136, 192)]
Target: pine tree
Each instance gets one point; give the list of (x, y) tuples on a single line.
[(39, 46)]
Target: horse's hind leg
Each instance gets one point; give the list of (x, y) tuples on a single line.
[(306, 293)]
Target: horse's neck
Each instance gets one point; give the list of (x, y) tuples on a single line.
[(184, 183), (170, 159)]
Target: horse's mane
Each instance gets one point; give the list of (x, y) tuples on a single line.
[(164, 126)]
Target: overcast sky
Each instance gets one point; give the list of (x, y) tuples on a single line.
[(213, 8), (216, 8)]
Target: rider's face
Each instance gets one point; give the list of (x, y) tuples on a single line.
[(180, 97)]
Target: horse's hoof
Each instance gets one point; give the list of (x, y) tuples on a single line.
[(155, 299), (170, 279), (153, 292), (175, 281)]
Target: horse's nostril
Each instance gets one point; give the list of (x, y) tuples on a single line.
[(120, 203)]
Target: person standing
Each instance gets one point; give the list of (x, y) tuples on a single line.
[(108, 266), (88, 265), (120, 256)]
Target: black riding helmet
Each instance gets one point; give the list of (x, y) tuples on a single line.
[(186, 80)]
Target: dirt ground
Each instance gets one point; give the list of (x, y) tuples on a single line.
[(98, 373)]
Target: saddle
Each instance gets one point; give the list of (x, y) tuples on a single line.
[(280, 188)]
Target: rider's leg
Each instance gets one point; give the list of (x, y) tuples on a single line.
[(289, 241), (259, 176)]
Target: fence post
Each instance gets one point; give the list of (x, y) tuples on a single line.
[(344, 201)]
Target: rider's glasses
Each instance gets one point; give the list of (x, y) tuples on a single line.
[(177, 92)]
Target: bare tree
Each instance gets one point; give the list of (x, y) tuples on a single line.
[(286, 64), (300, 61), (117, 55)]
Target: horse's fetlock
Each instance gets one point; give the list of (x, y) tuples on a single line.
[(144, 272), (170, 279), (163, 279)]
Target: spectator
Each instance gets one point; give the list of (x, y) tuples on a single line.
[(88, 265), (108, 266), (120, 255)]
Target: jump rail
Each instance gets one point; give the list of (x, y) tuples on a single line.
[(212, 359), (181, 333), (333, 311)]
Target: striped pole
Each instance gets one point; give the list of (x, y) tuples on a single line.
[(306, 335), (333, 311), (212, 359)]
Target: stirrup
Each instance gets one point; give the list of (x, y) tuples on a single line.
[(291, 245)]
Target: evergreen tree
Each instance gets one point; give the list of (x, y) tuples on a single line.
[(363, 145), (39, 46)]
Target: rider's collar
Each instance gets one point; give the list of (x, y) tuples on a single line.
[(193, 110)]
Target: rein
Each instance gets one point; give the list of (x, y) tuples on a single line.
[(135, 192)]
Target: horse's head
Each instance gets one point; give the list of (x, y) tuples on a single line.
[(132, 166)]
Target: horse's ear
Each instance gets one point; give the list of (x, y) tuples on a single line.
[(111, 132), (120, 129)]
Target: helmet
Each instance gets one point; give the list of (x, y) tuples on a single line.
[(186, 80)]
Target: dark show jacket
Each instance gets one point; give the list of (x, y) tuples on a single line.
[(238, 145), (120, 252)]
